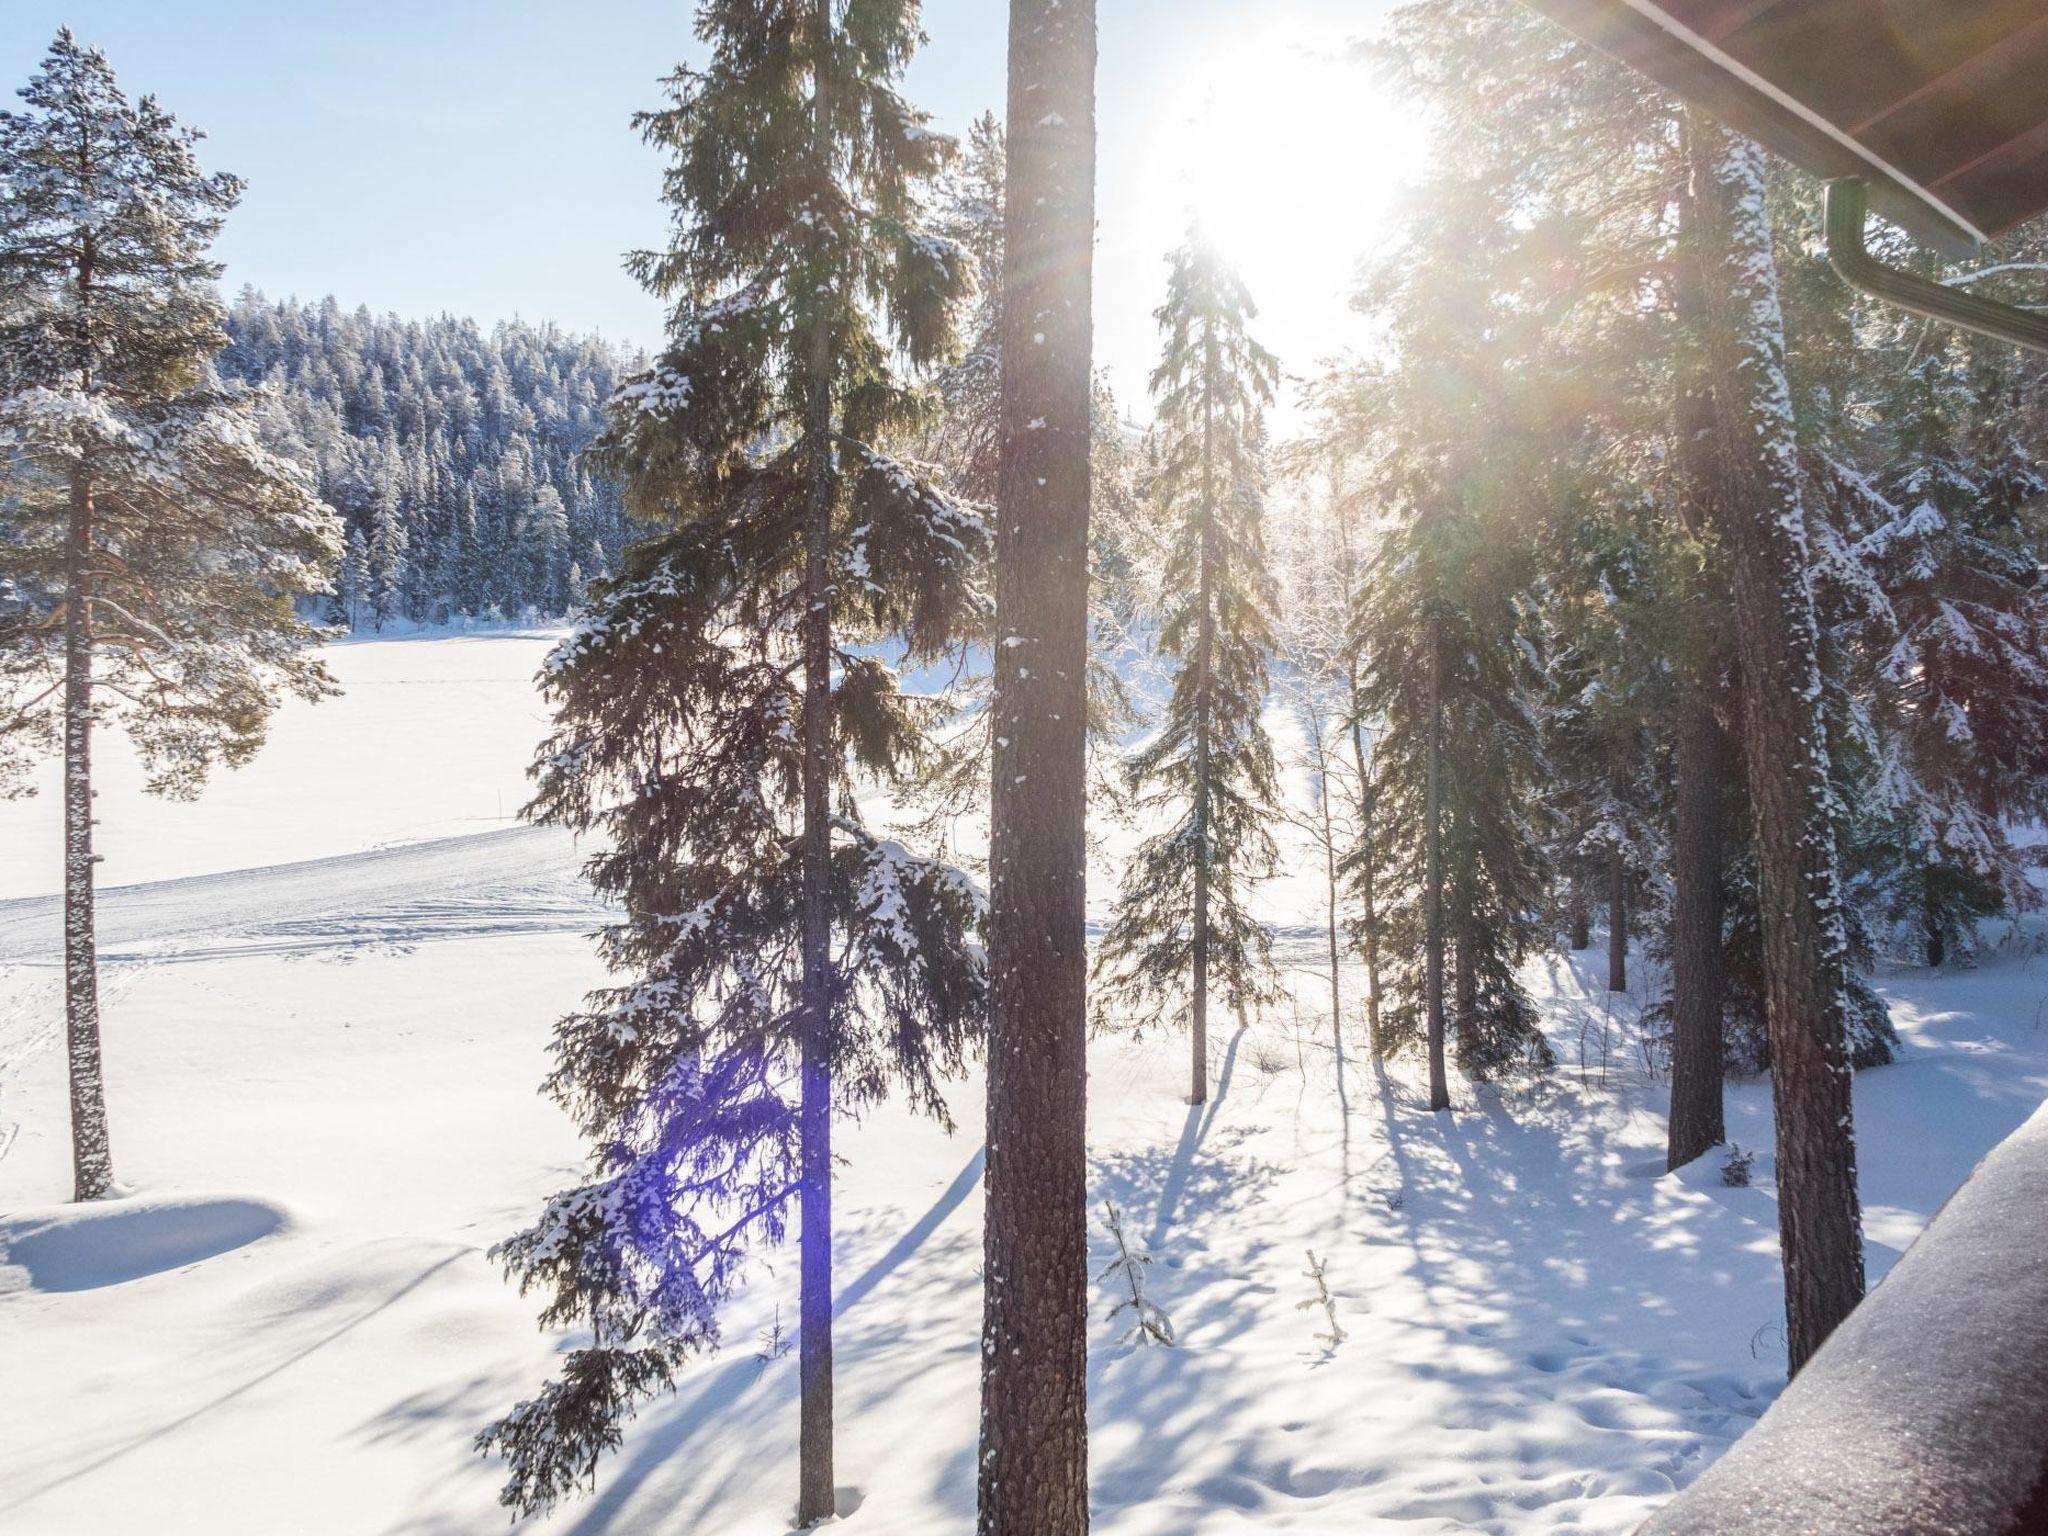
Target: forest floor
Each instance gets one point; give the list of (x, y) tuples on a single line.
[(327, 1014)]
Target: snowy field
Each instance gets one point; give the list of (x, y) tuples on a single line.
[(325, 1023)]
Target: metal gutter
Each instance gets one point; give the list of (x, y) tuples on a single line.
[(1848, 205)]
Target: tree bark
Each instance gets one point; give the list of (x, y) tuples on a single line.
[(1931, 929), (1433, 881), (1697, 983), (1368, 891), (1699, 835), (1464, 990), (1330, 883), (1617, 920), (1577, 914), (1368, 881), (1205, 633), (816, 1498), (92, 1158), (1033, 1473), (1785, 753)]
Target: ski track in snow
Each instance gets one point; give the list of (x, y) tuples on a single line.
[(518, 881), (323, 1082)]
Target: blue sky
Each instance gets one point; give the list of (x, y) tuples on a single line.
[(422, 156)]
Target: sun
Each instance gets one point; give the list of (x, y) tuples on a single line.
[(1288, 154)]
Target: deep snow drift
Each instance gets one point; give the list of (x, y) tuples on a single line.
[(322, 1079)]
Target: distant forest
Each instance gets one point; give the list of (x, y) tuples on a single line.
[(450, 451)]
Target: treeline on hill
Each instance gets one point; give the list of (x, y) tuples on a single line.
[(451, 452)]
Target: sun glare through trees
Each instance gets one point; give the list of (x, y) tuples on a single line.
[(915, 767)]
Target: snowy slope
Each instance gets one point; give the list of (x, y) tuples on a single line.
[(430, 739), (323, 1082)]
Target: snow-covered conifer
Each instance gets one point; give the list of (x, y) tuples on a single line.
[(719, 705), (1181, 918), (153, 548)]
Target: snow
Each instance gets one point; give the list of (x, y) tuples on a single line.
[(325, 1034), (432, 739), (1846, 1453)]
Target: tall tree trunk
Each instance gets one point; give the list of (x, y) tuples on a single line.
[(1033, 1472), (1578, 913), (816, 1499), (1697, 984), (1322, 749), (1205, 634), (1464, 988), (1368, 876), (92, 1158), (1617, 920), (92, 1154), (1699, 835), (815, 1496), (1433, 880), (1368, 872), (1930, 923), (1763, 532)]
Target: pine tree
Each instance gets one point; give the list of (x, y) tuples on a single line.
[(1759, 511), (1458, 827), (153, 548), (717, 709), (1032, 1476), (1181, 917), (1959, 687)]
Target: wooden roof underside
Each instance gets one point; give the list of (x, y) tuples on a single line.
[(1940, 105)]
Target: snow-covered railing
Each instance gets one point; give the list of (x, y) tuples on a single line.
[(1927, 1409)]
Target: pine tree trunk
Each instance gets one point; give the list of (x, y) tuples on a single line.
[(1367, 869), (1464, 991), (816, 1499), (1578, 914), (1784, 746), (1699, 835), (1033, 1470), (1198, 1091), (1931, 926), (1433, 881), (1617, 920), (92, 1158), (1697, 985), (1330, 890), (1368, 877), (815, 1496)]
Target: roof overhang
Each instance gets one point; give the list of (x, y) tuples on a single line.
[(1939, 106)]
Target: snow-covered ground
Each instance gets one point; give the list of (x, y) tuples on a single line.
[(322, 1063), (431, 739)]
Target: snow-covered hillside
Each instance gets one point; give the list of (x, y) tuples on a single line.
[(323, 1059)]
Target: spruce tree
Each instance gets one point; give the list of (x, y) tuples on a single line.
[(1959, 676), (151, 549), (1181, 919), (719, 705)]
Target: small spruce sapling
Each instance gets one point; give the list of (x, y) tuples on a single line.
[(1323, 1299), (1149, 1325)]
